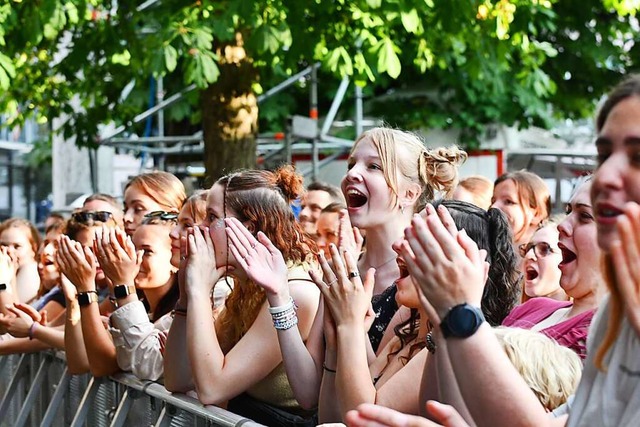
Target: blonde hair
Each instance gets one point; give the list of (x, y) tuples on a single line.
[(550, 370), (480, 188), (435, 170), (616, 312), (163, 188)]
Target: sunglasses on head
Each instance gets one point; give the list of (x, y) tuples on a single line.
[(541, 249), (165, 216), (91, 216)]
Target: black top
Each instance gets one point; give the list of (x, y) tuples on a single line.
[(384, 307)]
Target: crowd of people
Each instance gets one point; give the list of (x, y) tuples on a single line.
[(408, 296)]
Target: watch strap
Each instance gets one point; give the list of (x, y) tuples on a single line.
[(86, 298), (123, 291), (3, 286)]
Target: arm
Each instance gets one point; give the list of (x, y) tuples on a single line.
[(22, 345), (136, 340), (329, 407), (79, 265), (450, 270), (27, 282), (77, 360), (303, 363)]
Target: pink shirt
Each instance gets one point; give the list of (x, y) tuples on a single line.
[(571, 333)]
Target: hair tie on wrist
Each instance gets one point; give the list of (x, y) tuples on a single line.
[(31, 329)]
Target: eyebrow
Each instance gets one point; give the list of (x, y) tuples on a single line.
[(584, 205)]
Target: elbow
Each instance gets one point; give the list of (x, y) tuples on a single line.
[(103, 370), (77, 370), (210, 398), (174, 386)]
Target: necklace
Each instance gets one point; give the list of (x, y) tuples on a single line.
[(384, 263)]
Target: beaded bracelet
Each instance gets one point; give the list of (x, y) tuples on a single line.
[(284, 316)]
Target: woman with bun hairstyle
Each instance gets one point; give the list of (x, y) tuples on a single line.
[(391, 175), (235, 358), (524, 198), (151, 192)]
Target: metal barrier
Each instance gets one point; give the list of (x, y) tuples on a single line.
[(36, 389)]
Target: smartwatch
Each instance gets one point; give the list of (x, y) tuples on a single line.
[(462, 321), (122, 291), (86, 298), (3, 286)]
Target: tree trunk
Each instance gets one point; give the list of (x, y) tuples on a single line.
[(230, 114)]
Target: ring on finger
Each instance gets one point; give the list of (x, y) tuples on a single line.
[(354, 274), (253, 245), (332, 282)]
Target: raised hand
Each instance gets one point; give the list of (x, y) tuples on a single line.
[(349, 237), (200, 271), (77, 263), (625, 253), (448, 267), (260, 259), (347, 297), (117, 255), (7, 267), (20, 324)]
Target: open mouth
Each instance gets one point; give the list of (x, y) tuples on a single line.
[(531, 274), (48, 262), (355, 198), (567, 255), (608, 212), (404, 272)]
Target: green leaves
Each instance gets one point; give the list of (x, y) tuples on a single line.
[(388, 60), (7, 71), (170, 58)]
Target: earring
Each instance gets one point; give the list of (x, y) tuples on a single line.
[(402, 208)]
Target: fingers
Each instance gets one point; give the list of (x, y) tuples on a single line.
[(32, 312), (338, 265), (445, 414), (262, 238), (327, 271), (352, 268), (369, 282), (241, 233), (629, 242), (447, 220)]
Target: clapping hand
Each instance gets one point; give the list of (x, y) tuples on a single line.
[(260, 259), (201, 272), (346, 295), (447, 265), (349, 237), (77, 263), (117, 255)]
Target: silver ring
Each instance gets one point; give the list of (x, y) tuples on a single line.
[(253, 245), (182, 258), (354, 274)]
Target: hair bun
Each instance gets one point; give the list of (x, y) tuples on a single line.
[(442, 167), (290, 182)]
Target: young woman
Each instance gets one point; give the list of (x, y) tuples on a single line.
[(540, 260), (524, 198), (474, 189), (328, 226), (22, 240), (151, 192), (609, 392), (392, 378), (568, 321), (390, 176), (236, 356), (50, 297)]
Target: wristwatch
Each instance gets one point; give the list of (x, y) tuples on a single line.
[(3, 286), (462, 321), (122, 291), (86, 298)]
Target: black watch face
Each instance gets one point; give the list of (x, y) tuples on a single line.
[(3, 286), (464, 320), (121, 291)]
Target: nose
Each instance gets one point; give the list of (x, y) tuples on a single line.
[(175, 232), (128, 216), (305, 213), (565, 227), (609, 173), (354, 174), (497, 205)]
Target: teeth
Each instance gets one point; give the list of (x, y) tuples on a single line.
[(354, 192), (609, 212)]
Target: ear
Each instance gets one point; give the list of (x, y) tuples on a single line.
[(410, 195), (537, 218)]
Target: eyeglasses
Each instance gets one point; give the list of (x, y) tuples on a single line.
[(165, 216), (540, 249), (90, 216)]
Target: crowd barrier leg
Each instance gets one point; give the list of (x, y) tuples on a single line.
[(13, 385), (123, 409), (83, 409), (34, 391), (56, 399)]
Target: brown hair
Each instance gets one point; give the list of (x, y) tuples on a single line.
[(261, 199), (163, 187), (105, 198), (196, 205), (532, 193), (481, 189), (33, 235), (435, 170), (334, 208), (628, 88)]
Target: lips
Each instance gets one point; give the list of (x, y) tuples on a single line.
[(355, 198), (568, 256), (607, 213), (531, 273)]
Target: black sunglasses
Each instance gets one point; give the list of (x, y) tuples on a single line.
[(91, 216), (541, 249), (165, 216)]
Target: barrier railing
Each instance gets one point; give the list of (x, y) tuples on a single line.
[(37, 390)]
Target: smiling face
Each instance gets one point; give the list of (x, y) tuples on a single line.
[(16, 238), (617, 177), (580, 266), (136, 205), (370, 201), (542, 275), (156, 269), (312, 204)]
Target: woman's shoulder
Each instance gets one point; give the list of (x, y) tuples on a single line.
[(539, 306)]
